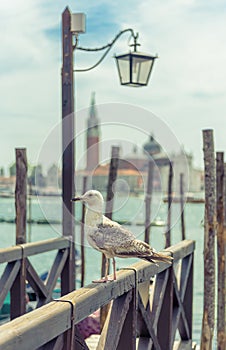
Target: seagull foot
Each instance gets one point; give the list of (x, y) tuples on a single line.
[(103, 280)]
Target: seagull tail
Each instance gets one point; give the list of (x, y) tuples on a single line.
[(159, 257)]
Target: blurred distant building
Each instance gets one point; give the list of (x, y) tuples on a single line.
[(93, 137), (133, 168), (7, 184)]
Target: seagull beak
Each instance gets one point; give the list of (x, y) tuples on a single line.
[(76, 199)]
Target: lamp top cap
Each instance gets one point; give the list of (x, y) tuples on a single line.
[(137, 54)]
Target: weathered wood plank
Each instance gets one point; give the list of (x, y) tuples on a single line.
[(29, 249), (56, 268), (7, 279), (53, 275), (182, 249), (35, 281), (36, 328), (111, 333), (158, 296), (10, 254), (148, 319), (179, 315), (129, 326), (18, 293), (164, 327), (45, 246), (186, 291)]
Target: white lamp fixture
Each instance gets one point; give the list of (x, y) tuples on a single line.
[(78, 23)]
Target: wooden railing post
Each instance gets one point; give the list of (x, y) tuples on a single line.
[(18, 303), (164, 329), (83, 235)]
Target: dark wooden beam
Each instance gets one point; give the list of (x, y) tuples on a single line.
[(68, 153)]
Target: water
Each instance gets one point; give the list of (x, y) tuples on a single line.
[(131, 209)]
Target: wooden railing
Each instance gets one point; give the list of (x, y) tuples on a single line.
[(19, 269), (142, 314)]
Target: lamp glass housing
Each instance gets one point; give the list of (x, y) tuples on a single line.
[(134, 68)]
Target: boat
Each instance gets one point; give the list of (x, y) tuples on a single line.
[(187, 199)]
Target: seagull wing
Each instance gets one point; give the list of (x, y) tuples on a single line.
[(142, 250), (109, 237), (115, 240)]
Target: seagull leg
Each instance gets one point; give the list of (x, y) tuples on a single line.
[(114, 269), (105, 278)]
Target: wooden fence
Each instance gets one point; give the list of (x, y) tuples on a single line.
[(19, 269), (142, 314)]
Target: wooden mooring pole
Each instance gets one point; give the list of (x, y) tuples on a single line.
[(108, 212), (148, 201), (182, 205), (110, 194), (209, 241), (221, 339), (17, 293), (170, 200), (21, 195)]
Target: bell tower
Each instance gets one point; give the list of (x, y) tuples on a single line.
[(93, 133)]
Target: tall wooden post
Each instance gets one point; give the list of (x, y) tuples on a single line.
[(68, 168), (108, 212), (110, 194), (111, 179), (68, 162), (148, 201), (17, 295), (170, 199), (221, 336), (209, 241)]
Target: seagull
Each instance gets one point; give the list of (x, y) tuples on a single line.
[(112, 239)]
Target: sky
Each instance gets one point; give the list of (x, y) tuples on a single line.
[(186, 92)]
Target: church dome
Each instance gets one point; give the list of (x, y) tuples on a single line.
[(151, 147)]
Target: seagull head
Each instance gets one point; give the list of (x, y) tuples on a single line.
[(93, 199)]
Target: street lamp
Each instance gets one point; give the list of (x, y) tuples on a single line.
[(134, 70)]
